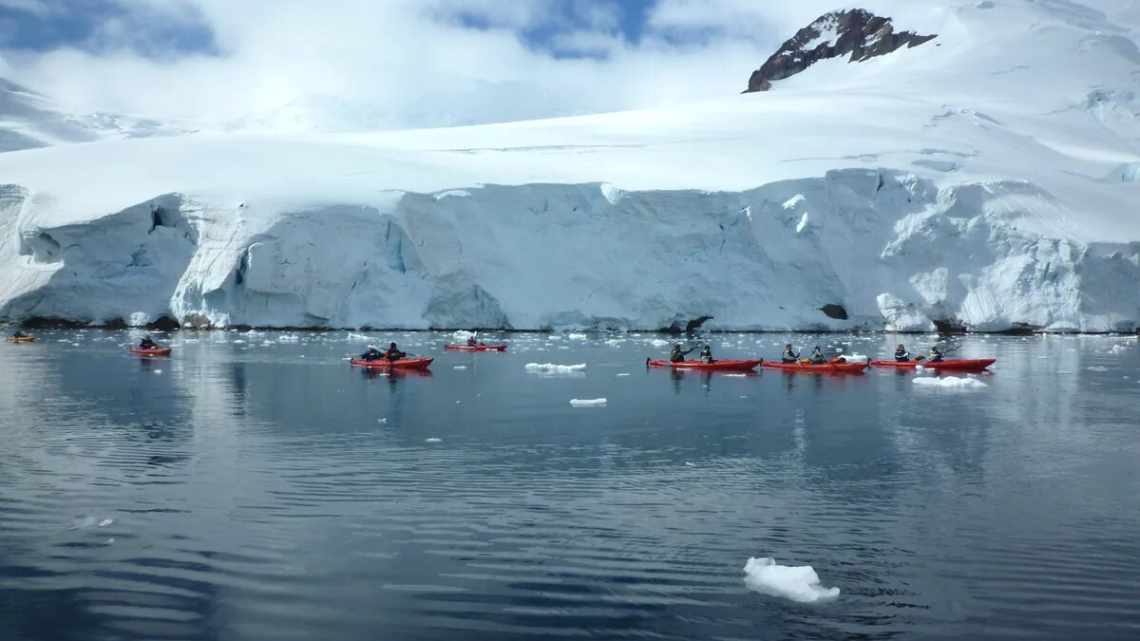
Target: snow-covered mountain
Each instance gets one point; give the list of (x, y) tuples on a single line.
[(985, 179), (29, 120)]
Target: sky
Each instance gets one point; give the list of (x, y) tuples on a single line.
[(357, 64)]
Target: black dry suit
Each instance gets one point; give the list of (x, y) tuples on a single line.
[(790, 355), (901, 355)]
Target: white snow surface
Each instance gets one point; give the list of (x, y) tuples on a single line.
[(798, 583), (989, 181)]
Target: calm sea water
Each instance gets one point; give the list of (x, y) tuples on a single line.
[(254, 486)]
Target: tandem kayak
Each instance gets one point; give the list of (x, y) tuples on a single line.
[(947, 365), (404, 363), (21, 339), (715, 366), (475, 348), (153, 351), (825, 368)]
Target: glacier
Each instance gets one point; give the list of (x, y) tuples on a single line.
[(986, 181)]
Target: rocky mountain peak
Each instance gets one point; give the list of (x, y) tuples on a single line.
[(857, 33)]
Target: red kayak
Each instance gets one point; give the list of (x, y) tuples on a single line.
[(825, 368), (481, 347), (404, 363), (715, 366), (948, 365), (152, 351)]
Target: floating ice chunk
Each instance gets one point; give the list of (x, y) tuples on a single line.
[(452, 193), (794, 201), (800, 584), (611, 193), (1097, 368), (577, 337), (623, 374), (593, 402), (460, 367), (106, 522), (657, 342), (433, 439), (802, 224), (949, 382), (357, 338), (615, 341), (288, 338), (382, 420), (157, 371), (551, 368), (735, 375)]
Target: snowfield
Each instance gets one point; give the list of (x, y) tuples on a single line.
[(987, 180)]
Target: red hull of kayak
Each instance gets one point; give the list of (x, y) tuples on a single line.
[(21, 339), (716, 366), (154, 351), (404, 363), (949, 365), (475, 348), (826, 368)]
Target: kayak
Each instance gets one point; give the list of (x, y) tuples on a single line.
[(715, 366), (948, 365), (825, 368), (481, 347), (404, 363), (153, 351), (21, 339)]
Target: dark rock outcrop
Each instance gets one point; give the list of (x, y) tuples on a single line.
[(856, 32)]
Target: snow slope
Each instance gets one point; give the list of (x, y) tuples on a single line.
[(987, 179)]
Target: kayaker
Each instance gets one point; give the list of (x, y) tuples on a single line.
[(678, 354), (19, 334), (372, 354), (901, 354), (147, 343), (817, 357), (471, 340), (393, 353), (706, 354), (790, 355), (935, 355)]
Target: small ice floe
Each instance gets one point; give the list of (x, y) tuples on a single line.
[(624, 374), (577, 337), (289, 338), (90, 522), (433, 439), (948, 382), (593, 402), (359, 338), (157, 371), (614, 342), (657, 342), (1120, 348), (1097, 368), (690, 464), (798, 583), (552, 368), (736, 375), (382, 420), (105, 522), (459, 367)]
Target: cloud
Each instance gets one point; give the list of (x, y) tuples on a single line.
[(349, 64)]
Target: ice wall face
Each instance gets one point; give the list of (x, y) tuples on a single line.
[(889, 249)]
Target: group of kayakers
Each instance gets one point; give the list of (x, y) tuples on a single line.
[(902, 355), (393, 353), (679, 353), (790, 355)]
